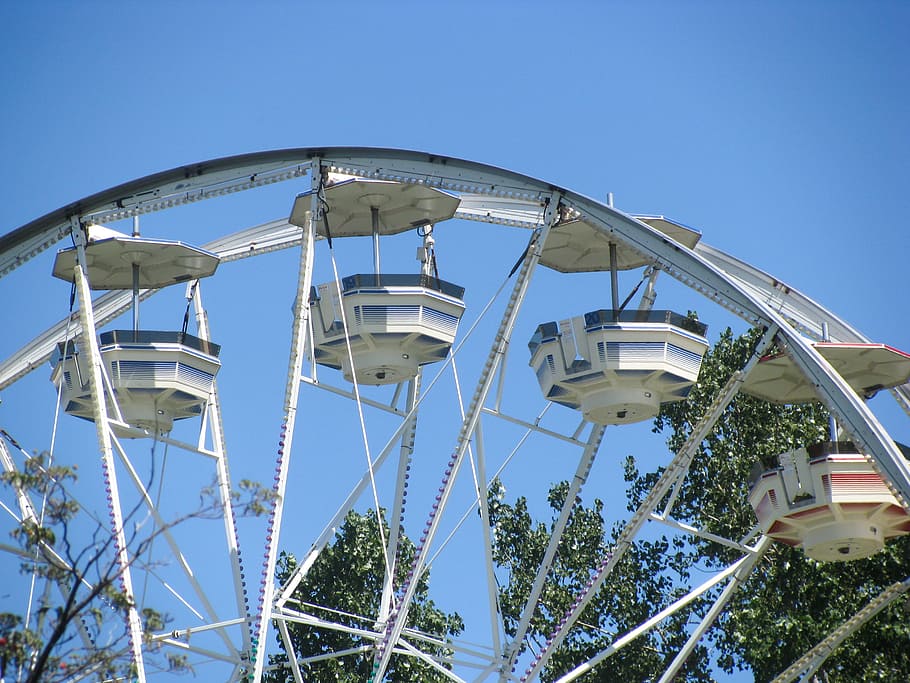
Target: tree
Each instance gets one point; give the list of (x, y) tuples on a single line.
[(346, 582), (789, 603), (82, 634), (641, 584)]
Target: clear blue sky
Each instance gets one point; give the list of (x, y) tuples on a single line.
[(773, 127), (778, 129)]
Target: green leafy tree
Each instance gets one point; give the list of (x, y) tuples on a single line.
[(641, 583), (64, 636), (50, 648), (345, 585), (789, 603)]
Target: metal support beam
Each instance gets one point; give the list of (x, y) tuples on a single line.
[(99, 403), (535, 426), (223, 481), (374, 217), (286, 437), (807, 665), (500, 343), (396, 521), (482, 488), (290, 650), (614, 281), (739, 576), (581, 476), (646, 626)]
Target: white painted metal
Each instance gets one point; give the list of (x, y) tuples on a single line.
[(118, 261), (500, 343), (867, 368), (739, 576), (581, 476), (646, 626), (290, 649), (575, 246), (103, 430), (535, 426), (223, 481), (368, 207), (809, 663), (489, 195), (285, 440), (483, 508), (396, 519)]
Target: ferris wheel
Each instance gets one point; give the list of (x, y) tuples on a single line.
[(401, 387)]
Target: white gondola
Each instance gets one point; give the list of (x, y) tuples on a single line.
[(155, 377), (618, 368), (395, 323), (829, 501), (380, 328)]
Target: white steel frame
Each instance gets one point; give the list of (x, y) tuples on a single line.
[(489, 195)]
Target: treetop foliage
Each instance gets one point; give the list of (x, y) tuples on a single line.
[(346, 581)]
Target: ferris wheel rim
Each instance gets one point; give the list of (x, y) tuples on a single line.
[(57, 222), (703, 275)]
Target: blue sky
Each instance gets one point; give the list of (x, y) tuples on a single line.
[(776, 129), (772, 127)]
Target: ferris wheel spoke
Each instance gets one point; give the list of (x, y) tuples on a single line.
[(396, 519), (500, 342), (477, 459), (134, 624), (736, 580), (578, 480), (481, 486), (807, 665), (285, 441), (212, 420)]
